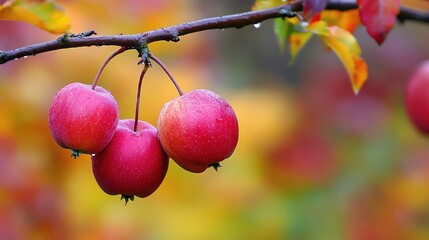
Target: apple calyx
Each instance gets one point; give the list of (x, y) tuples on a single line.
[(127, 198), (75, 153), (215, 166)]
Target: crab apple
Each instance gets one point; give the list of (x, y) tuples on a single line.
[(417, 98), (198, 130), (83, 119), (133, 163)]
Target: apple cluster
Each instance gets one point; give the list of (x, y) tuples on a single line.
[(130, 157)]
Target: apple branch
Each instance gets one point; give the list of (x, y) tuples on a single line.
[(172, 33)]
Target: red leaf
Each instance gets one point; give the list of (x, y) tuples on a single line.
[(311, 7), (378, 16)]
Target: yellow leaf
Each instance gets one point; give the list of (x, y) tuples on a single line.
[(46, 15), (348, 20), (347, 49), (264, 4), (298, 39), (319, 27)]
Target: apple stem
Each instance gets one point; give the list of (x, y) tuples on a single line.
[(159, 62), (119, 51), (136, 120)]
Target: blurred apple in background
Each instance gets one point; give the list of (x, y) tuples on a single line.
[(417, 97)]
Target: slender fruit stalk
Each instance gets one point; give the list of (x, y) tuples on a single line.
[(119, 51), (159, 62), (136, 119)]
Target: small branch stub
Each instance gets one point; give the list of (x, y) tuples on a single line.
[(144, 55)]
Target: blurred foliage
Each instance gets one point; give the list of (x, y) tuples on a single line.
[(314, 161), (47, 15)]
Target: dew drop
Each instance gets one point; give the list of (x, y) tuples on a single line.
[(304, 24), (257, 25), (15, 59), (25, 56)]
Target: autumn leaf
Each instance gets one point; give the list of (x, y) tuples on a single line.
[(44, 14), (378, 16), (302, 34), (297, 41), (264, 4), (420, 5), (297, 33), (344, 44), (311, 7), (348, 20)]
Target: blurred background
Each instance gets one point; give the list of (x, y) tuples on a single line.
[(314, 161)]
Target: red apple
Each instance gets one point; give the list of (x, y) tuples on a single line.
[(133, 163), (417, 98), (83, 119), (198, 130)]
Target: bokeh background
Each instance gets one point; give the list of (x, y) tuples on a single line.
[(314, 161)]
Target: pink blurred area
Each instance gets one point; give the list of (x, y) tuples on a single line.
[(314, 161)]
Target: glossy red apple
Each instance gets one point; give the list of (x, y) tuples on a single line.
[(198, 129), (83, 119), (133, 163), (417, 98)]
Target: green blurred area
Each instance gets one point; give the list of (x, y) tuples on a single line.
[(314, 161)]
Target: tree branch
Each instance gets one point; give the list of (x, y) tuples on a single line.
[(139, 41)]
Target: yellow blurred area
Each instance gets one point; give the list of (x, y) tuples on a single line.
[(313, 161)]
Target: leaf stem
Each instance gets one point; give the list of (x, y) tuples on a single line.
[(97, 76), (162, 65)]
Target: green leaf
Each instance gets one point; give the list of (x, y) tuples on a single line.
[(282, 28), (44, 14)]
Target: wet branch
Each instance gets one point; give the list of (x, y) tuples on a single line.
[(172, 33)]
